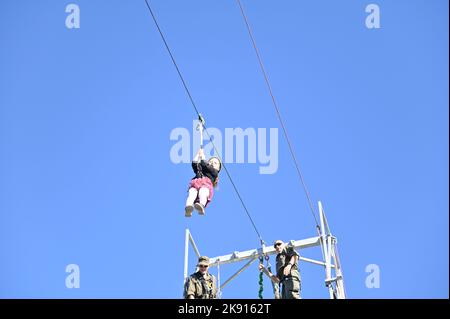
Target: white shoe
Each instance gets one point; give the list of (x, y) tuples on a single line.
[(188, 210), (200, 208)]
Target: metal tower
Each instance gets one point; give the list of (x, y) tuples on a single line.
[(334, 280)]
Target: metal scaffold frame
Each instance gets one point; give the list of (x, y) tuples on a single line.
[(334, 280)]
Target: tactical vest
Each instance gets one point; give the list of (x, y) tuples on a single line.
[(207, 287), (204, 288)]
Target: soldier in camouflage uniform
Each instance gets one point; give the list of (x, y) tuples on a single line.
[(287, 271), (201, 284)]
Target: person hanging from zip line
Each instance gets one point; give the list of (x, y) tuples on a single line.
[(202, 184), (288, 274)]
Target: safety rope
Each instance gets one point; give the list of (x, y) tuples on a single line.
[(198, 114), (261, 281), (261, 285)]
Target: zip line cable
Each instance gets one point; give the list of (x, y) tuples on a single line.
[(291, 150), (198, 114)]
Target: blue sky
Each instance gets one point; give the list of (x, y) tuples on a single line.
[(86, 115)]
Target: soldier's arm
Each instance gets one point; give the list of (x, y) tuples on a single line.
[(293, 256), (288, 267), (293, 260), (190, 291)]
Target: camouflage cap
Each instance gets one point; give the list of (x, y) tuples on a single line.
[(278, 241), (203, 260)]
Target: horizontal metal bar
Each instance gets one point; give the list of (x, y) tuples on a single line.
[(333, 279), (312, 261), (254, 253)]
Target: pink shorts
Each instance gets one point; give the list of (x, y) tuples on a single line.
[(198, 183)]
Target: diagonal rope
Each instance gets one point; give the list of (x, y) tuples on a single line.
[(291, 150), (198, 114)]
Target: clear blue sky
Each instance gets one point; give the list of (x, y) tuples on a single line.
[(86, 114)]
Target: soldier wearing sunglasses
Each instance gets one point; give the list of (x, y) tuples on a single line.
[(287, 271), (201, 284)]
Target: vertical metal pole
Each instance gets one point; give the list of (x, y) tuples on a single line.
[(340, 279), (326, 249), (322, 232), (201, 135), (322, 224), (219, 291), (328, 266), (337, 272), (186, 252)]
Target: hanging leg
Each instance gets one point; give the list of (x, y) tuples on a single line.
[(203, 195), (193, 193)]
